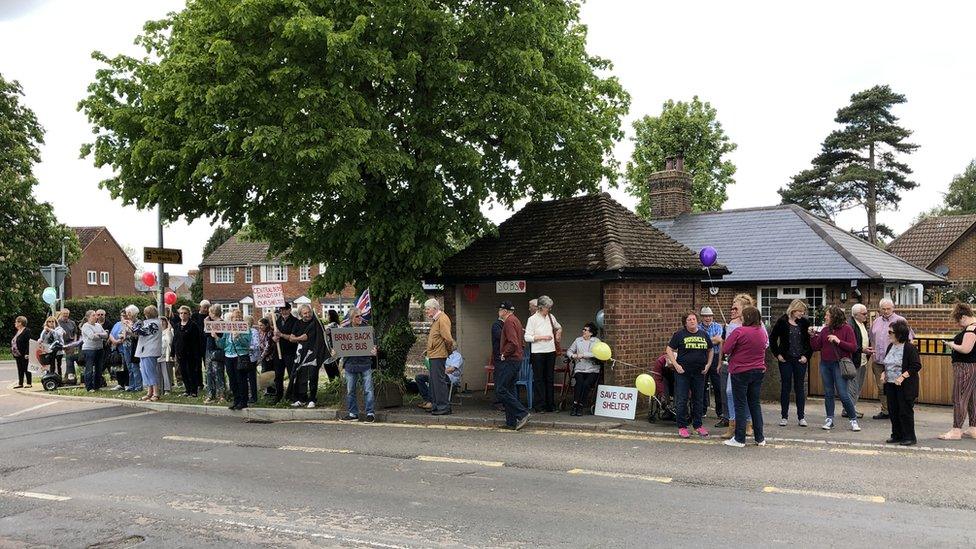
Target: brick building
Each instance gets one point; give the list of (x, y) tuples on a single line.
[(944, 244), (104, 269), (230, 271), (587, 253)]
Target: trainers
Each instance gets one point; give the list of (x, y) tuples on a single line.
[(783, 422), (370, 418), (702, 431), (734, 443), (802, 423), (683, 432), (855, 426), (349, 417), (829, 424), (311, 405), (521, 423), (761, 442), (297, 404)]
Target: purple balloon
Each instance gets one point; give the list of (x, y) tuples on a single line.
[(708, 255)]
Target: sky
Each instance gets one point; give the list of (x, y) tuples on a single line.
[(776, 72)]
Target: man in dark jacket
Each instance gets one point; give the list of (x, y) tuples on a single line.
[(286, 324), (507, 369), (862, 355), (496, 341)]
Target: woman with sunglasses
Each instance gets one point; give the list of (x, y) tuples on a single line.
[(586, 370), (900, 381)]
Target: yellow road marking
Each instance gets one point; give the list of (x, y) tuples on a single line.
[(608, 474), (856, 452), (833, 495), (36, 495), (195, 439), (315, 450), (440, 459)]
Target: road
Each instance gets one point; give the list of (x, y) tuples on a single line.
[(80, 475)]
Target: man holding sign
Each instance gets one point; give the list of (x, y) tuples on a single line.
[(358, 364)]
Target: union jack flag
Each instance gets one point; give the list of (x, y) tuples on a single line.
[(364, 306)]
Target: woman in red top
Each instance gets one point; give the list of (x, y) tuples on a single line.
[(746, 349), (835, 341)]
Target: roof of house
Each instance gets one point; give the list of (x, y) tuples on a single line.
[(928, 239), (788, 243), (237, 251), (87, 234), (581, 237)]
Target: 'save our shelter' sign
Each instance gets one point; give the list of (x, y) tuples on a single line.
[(353, 341), (268, 295), (618, 402)]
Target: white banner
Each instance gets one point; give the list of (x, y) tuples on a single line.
[(225, 326), (268, 295), (618, 402), (33, 364), (353, 341)]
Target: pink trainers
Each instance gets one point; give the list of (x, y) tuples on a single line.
[(683, 432), (702, 431)]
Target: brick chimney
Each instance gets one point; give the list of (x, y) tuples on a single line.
[(670, 189)]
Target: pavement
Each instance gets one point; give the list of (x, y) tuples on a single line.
[(91, 474)]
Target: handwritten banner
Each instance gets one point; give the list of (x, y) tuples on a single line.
[(353, 341), (268, 295), (226, 326), (618, 402)]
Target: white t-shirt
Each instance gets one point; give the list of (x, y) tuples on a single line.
[(539, 325)]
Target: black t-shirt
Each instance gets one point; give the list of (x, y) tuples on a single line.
[(966, 358), (692, 348), (288, 326)]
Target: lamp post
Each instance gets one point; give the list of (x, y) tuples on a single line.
[(64, 244)]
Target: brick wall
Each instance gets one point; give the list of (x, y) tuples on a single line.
[(961, 260), (103, 254), (669, 193), (293, 288)]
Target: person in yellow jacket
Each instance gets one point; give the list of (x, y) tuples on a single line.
[(440, 344)]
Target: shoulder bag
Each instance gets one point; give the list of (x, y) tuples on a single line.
[(848, 370), (555, 340)]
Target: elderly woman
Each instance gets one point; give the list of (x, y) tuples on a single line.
[(690, 350), (586, 370), (186, 347), (359, 367), (259, 352), (167, 357), (900, 383), (122, 340), (93, 337), (835, 342), (544, 332), (148, 351), (963, 347), (236, 348), (790, 343), (214, 362), (746, 348), (19, 348), (51, 342)]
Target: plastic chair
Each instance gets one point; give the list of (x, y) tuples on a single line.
[(525, 378)]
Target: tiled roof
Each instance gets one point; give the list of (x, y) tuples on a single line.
[(87, 234), (788, 243), (923, 243), (584, 236), (237, 251)]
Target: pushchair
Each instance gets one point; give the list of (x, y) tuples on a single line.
[(662, 403)]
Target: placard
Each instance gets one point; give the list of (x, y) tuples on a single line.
[(34, 366), (353, 341), (618, 402), (268, 295), (226, 326), (510, 287)]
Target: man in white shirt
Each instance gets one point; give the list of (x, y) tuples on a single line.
[(544, 332)]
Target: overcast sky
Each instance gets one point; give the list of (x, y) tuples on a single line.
[(776, 71)]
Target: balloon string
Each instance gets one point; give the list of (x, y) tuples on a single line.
[(715, 297)]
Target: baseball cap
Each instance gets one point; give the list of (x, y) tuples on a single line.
[(507, 305), (707, 311), (287, 305)]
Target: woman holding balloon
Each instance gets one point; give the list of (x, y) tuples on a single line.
[(586, 371)]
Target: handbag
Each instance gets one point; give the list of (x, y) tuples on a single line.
[(555, 340), (848, 370)]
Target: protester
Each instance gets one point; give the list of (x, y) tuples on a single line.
[(284, 357), (790, 343), (148, 351), (331, 363), (51, 342), (879, 342), (186, 344), (214, 360), (307, 337), (236, 347), (167, 357), (739, 302), (713, 378), (586, 370), (123, 341), (511, 349), (691, 353), (359, 367), (746, 348), (861, 356), (440, 344), (199, 366), (496, 344), (963, 347), (258, 353), (543, 331), (19, 348), (93, 336), (835, 342), (106, 347), (900, 383), (70, 329)]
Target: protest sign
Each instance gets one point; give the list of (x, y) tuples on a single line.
[(618, 402), (353, 341), (225, 326), (268, 295)]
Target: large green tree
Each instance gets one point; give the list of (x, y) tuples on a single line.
[(363, 134), (30, 235), (693, 130), (859, 164), (961, 198)]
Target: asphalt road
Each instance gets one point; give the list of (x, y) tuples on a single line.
[(80, 475)]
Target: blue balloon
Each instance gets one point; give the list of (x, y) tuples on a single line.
[(599, 319), (50, 295), (708, 255)]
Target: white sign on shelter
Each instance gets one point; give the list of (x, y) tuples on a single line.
[(510, 287), (618, 402)]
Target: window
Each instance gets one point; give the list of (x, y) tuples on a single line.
[(246, 309), (905, 294), (773, 301), (248, 275), (222, 275), (274, 273), (92, 278), (105, 278), (305, 273)]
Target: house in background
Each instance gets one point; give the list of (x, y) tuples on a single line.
[(230, 271), (180, 284), (945, 244), (781, 253), (104, 269)]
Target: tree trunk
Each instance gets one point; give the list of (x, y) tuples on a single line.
[(872, 201)]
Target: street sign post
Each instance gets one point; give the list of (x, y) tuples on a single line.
[(54, 274), (162, 255)]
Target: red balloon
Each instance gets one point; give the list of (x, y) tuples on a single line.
[(149, 278), (170, 298)]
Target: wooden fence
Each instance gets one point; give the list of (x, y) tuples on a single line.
[(935, 379)]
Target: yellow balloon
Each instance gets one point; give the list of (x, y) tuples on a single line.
[(645, 384), (601, 351)]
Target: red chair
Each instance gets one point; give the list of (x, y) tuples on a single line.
[(566, 369), (490, 374)]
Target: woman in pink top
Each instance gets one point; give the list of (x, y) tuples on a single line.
[(835, 341), (746, 349)]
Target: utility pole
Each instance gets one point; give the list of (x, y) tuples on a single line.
[(159, 274), (64, 243)]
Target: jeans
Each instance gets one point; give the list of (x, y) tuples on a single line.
[(746, 387), (506, 374), (91, 368), (423, 386), (831, 376), (351, 403), (440, 385), (730, 399), (695, 381), (135, 377), (901, 407), (215, 377), (543, 376), (792, 374), (715, 379)]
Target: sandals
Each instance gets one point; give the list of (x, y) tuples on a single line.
[(951, 434), (145, 398), (971, 432), (154, 398)]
